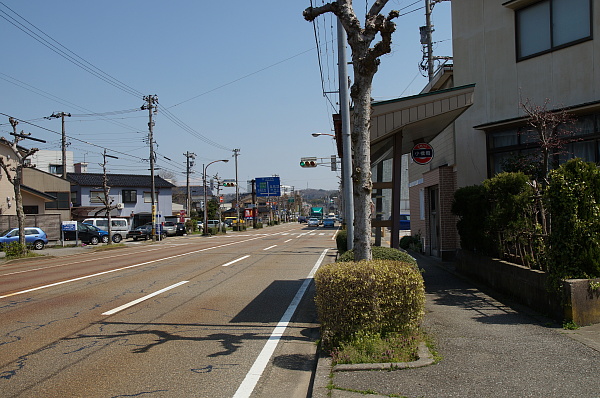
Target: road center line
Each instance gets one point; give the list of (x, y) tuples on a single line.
[(134, 302), (287, 241), (235, 261), (270, 247), (245, 389), (123, 268)]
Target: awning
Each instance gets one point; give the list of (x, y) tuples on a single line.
[(420, 117), (46, 197)]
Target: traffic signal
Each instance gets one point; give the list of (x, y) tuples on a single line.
[(308, 162), (229, 183)]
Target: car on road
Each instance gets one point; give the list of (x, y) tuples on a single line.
[(302, 219), (170, 228), (180, 229), (313, 222), (85, 233), (329, 223), (34, 236), (404, 222)]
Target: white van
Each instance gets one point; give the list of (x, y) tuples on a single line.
[(119, 226)]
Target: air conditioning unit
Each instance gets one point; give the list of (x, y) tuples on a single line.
[(120, 206)]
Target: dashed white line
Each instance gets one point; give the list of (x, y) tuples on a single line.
[(249, 383), (134, 302), (235, 261), (270, 247)]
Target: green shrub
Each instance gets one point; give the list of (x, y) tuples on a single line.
[(371, 297), (14, 249), (573, 198), (341, 241), (381, 253), (241, 227), (258, 225)]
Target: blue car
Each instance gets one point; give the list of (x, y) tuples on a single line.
[(329, 222), (34, 236), (103, 234)]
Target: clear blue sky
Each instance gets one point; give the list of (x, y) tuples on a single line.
[(235, 74)]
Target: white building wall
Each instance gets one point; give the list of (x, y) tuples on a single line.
[(484, 50), (43, 159)]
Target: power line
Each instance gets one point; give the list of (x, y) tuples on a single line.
[(66, 53)]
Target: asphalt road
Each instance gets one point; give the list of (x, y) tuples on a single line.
[(187, 317)]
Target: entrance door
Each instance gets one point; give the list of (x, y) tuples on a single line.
[(434, 224)]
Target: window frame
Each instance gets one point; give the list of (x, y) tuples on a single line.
[(127, 198), (62, 198), (552, 46)]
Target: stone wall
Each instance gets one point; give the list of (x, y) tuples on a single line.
[(528, 286)]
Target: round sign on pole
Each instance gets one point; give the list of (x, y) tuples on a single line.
[(422, 153)]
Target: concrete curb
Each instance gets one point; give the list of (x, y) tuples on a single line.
[(324, 370), (425, 358)]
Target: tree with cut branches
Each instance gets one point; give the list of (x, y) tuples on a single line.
[(14, 174), (365, 62)]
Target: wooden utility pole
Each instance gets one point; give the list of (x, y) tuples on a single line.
[(64, 139), (189, 156), (152, 106), (107, 202)]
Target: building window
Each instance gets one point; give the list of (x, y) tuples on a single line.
[(129, 196), (148, 197), (31, 210), (62, 202), (552, 24), (96, 197), (56, 168)]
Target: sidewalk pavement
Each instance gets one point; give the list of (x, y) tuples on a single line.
[(489, 347)]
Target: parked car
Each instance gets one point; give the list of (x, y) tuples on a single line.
[(313, 222), (404, 222), (145, 232), (329, 222), (181, 229), (34, 236), (103, 234), (170, 228), (118, 228), (85, 233), (214, 223)]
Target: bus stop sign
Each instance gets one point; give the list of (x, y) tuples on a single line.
[(422, 153)]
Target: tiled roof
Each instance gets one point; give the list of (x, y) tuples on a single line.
[(117, 180)]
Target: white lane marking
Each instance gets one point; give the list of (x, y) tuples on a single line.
[(247, 387), (235, 261), (287, 241), (270, 247), (134, 302), (123, 268)]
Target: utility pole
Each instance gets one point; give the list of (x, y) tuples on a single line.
[(427, 40), (152, 106), (346, 135), (254, 207), (106, 190), (64, 139), (189, 165), (236, 153)]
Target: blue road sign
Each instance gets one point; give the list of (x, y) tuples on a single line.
[(268, 186)]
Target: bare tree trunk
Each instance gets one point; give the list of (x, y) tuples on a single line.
[(365, 62), (361, 175)]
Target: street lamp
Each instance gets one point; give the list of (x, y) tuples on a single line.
[(318, 134), (205, 227)]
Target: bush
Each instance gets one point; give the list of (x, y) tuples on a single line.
[(341, 241), (574, 203), (239, 227), (381, 253), (258, 225), (380, 297), (14, 250)]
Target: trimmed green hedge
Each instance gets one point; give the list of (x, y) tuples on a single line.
[(372, 297), (381, 253), (341, 241)]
